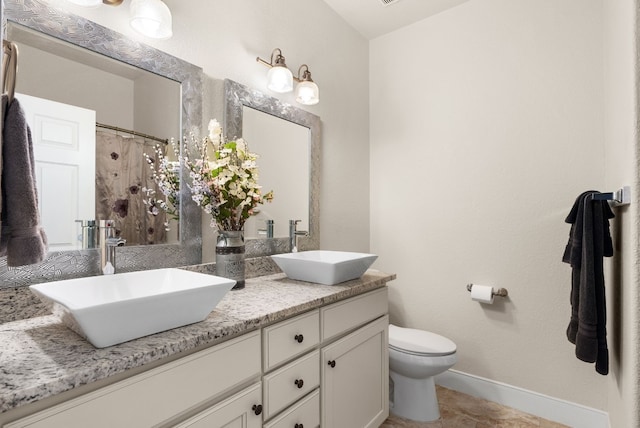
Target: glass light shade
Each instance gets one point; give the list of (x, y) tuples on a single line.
[(307, 93), (280, 79), (86, 3), (151, 18)]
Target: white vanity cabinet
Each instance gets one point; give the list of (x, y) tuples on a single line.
[(327, 367), (155, 397), (341, 380)]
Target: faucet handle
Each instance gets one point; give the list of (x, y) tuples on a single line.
[(115, 242), (294, 222)]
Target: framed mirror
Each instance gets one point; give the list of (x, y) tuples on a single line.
[(288, 139), (33, 19), (94, 121)]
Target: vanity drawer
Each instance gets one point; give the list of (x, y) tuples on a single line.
[(159, 394), (346, 315), (287, 339), (288, 384), (235, 408), (305, 413)]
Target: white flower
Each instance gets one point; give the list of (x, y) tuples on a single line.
[(224, 187), (215, 131)]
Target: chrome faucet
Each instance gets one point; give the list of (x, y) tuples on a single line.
[(108, 243), (294, 233), (88, 237)]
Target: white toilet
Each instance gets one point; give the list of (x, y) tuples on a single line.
[(415, 357)]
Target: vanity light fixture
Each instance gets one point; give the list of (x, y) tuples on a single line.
[(151, 18), (279, 77), (307, 92)]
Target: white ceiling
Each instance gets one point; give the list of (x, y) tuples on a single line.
[(372, 18)]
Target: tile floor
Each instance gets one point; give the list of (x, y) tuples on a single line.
[(458, 410)]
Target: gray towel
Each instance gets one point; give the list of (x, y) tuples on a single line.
[(22, 239)]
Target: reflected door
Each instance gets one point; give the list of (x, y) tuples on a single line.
[(64, 150)]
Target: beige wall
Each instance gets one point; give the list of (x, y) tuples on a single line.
[(224, 37), (141, 104), (109, 95), (156, 101), (621, 136), (486, 123)]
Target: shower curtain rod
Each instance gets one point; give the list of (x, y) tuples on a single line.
[(129, 131)]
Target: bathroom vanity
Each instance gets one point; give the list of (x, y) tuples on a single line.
[(279, 353)]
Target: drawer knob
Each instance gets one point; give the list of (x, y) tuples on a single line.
[(299, 338), (299, 383), (332, 363), (257, 409), (298, 426)]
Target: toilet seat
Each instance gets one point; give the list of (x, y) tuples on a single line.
[(419, 342)]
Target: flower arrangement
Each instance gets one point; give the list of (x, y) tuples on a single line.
[(226, 187), (166, 175)]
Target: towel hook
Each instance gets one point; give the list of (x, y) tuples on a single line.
[(618, 198), (9, 68)]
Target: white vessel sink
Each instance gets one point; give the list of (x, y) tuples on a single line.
[(324, 267), (112, 309)]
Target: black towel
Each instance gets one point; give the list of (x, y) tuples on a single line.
[(589, 241), (22, 239)]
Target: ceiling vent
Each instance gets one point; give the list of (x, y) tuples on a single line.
[(388, 2)]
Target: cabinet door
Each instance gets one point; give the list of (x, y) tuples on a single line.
[(355, 376), (238, 411)]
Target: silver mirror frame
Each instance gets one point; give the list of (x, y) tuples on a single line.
[(236, 96), (45, 18)]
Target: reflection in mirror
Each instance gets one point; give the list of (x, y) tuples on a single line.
[(239, 100), (118, 97), (270, 137), (40, 18)]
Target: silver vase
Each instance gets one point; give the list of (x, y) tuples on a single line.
[(230, 256)]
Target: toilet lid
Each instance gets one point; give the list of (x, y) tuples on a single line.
[(419, 341)]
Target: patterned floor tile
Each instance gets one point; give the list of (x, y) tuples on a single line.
[(458, 410)]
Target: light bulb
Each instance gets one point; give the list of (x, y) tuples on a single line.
[(151, 18), (280, 79), (307, 93)]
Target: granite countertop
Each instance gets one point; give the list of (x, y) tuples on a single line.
[(40, 357)]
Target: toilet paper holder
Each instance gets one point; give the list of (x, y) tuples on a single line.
[(501, 292)]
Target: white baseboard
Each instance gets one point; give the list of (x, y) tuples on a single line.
[(553, 409)]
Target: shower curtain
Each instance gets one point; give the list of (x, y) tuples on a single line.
[(121, 173)]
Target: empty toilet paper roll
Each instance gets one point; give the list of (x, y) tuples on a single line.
[(482, 293)]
